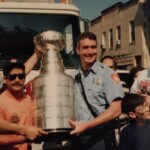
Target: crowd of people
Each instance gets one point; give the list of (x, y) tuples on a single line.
[(99, 101), (134, 134)]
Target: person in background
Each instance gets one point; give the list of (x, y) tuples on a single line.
[(109, 61), (104, 93), (142, 83), (134, 73), (135, 136), (16, 107)]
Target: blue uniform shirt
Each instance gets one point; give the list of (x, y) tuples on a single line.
[(100, 88)]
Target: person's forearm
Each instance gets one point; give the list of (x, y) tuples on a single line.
[(6, 126), (30, 132), (112, 112), (6, 140), (30, 63)]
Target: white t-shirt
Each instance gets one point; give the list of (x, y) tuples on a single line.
[(142, 83)]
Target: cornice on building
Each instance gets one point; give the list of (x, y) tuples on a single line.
[(96, 20), (129, 3), (107, 10), (118, 5)]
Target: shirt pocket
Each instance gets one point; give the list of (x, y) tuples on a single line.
[(95, 94)]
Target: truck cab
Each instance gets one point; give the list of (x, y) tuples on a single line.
[(20, 21)]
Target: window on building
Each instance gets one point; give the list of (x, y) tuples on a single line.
[(103, 40), (132, 31), (118, 36), (110, 38), (138, 60)]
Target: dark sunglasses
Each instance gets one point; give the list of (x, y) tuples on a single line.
[(13, 76)]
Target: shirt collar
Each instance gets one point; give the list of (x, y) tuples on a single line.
[(93, 69)]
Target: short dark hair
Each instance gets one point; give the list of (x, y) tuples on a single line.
[(107, 56), (131, 101), (132, 74), (11, 65), (110, 57), (88, 35)]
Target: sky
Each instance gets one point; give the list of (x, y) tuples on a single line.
[(91, 9)]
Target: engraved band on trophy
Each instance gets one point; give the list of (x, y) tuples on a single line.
[(53, 88)]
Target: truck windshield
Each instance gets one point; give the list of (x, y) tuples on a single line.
[(17, 32)]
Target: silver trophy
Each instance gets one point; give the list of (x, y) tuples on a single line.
[(53, 88)]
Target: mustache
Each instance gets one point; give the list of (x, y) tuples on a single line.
[(17, 84), (90, 55)]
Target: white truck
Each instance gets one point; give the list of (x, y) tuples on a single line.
[(21, 20)]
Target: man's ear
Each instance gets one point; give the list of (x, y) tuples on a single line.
[(4, 79), (132, 115), (77, 50)]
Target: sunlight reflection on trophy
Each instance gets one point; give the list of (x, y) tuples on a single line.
[(53, 88)]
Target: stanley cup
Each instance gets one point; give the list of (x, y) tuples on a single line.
[(53, 88)]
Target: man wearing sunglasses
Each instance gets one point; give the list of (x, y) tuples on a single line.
[(17, 108)]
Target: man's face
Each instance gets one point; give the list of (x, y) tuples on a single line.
[(87, 50), (15, 80), (108, 62), (143, 111)]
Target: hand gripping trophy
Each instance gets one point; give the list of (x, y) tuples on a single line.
[(53, 88)]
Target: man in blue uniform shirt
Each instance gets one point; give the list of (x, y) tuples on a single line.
[(104, 93)]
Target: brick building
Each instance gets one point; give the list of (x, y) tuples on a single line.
[(122, 31)]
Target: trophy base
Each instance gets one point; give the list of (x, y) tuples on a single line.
[(55, 135)]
